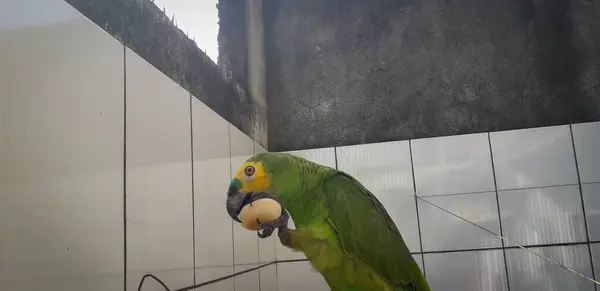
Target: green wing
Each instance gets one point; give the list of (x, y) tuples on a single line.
[(366, 230)]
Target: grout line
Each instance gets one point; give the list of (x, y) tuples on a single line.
[(124, 168), (335, 157), (259, 279), (585, 222), (412, 168), (232, 231), (498, 208), (276, 274), (193, 189)]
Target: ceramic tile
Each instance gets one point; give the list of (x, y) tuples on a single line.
[(529, 272), (248, 281), (453, 164), (586, 137), (205, 274), (533, 157), (591, 197), (385, 170), (61, 150), (442, 231), (159, 175), (300, 276), (268, 278), (266, 248), (468, 271), (542, 215)]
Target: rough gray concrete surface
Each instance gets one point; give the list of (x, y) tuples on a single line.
[(232, 38), (145, 29), (343, 72)]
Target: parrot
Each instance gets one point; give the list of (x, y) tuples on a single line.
[(342, 228)]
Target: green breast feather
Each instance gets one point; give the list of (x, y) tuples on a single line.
[(367, 233)]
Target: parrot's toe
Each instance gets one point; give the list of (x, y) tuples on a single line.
[(267, 231), (268, 227)]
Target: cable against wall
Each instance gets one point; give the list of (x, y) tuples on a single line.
[(200, 285), (417, 197)]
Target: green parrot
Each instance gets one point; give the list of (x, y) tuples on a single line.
[(343, 230)]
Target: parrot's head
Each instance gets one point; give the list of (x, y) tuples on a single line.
[(256, 175)]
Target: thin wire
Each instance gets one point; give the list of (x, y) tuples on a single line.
[(419, 198), (201, 284), (512, 242)]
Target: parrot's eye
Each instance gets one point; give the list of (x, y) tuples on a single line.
[(249, 171)]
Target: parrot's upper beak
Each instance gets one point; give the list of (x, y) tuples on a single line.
[(235, 202)]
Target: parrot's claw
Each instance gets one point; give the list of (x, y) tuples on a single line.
[(267, 231), (268, 227)]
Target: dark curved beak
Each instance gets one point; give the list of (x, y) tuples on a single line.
[(235, 202)]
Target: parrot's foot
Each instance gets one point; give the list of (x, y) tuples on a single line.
[(269, 227)]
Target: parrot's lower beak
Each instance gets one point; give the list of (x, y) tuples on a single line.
[(235, 202)]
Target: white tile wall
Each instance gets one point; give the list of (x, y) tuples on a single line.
[(468, 271), (61, 176), (591, 197), (543, 215), (61, 150), (268, 278), (248, 281), (159, 177), (442, 231), (300, 276), (534, 157), (540, 201), (586, 137), (453, 164), (205, 274), (528, 272), (214, 236)]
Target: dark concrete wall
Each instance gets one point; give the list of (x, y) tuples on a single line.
[(241, 52), (232, 38), (345, 72), (145, 29)]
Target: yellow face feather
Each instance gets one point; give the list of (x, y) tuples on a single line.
[(253, 177)]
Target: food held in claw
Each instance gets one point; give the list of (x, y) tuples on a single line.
[(261, 210)]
